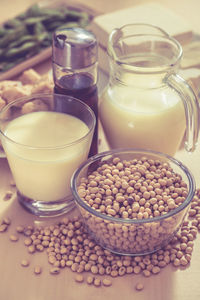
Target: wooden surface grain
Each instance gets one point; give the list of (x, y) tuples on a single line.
[(18, 283)]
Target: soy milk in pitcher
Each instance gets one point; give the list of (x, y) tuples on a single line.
[(146, 104)]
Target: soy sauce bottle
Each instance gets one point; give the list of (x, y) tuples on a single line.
[(74, 63)]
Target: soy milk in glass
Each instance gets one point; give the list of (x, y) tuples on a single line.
[(44, 146)]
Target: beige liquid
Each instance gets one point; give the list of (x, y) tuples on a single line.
[(153, 119), (41, 174)]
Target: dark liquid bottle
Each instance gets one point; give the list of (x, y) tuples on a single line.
[(81, 86), (75, 70)]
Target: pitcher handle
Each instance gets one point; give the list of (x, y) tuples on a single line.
[(191, 106)]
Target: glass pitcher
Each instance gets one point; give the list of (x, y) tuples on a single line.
[(146, 104)]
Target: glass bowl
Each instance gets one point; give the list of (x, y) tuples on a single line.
[(132, 201)]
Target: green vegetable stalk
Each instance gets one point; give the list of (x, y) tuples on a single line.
[(30, 32)]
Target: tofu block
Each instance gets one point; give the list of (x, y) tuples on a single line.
[(150, 13), (2, 103), (8, 83), (13, 93), (30, 76), (42, 87)]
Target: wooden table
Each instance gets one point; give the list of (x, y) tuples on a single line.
[(21, 283)]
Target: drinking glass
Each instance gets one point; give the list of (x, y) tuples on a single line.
[(45, 138)]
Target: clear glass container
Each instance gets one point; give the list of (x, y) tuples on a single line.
[(146, 104), (130, 236), (45, 137), (74, 64)]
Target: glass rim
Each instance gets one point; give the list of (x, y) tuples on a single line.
[(47, 95), (187, 172), (147, 70)]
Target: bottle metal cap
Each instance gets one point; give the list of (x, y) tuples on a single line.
[(74, 48)]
